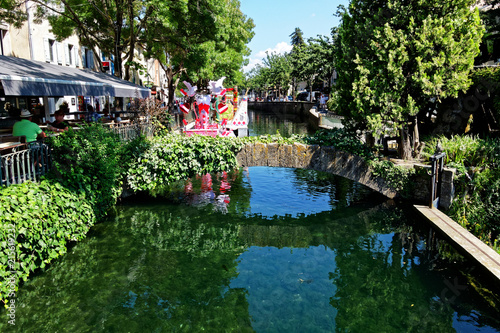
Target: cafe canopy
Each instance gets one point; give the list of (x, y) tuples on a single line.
[(22, 77)]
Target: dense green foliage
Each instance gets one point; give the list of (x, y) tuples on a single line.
[(477, 196), (174, 157), (340, 139), (93, 161), (485, 92), (37, 221), (395, 57), (399, 177)]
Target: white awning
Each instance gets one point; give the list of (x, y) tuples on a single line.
[(22, 77)]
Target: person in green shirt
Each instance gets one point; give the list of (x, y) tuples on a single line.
[(27, 128)]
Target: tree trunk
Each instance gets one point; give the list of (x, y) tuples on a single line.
[(310, 91), (416, 138), (171, 87), (404, 144)]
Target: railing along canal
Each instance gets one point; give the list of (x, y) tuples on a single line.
[(24, 165), (132, 131), (35, 161)]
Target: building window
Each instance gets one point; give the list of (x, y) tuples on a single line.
[(70, 55), (87, 58), (51, 51), (69, 52)]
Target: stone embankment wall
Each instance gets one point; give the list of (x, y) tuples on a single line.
[(328, 159)]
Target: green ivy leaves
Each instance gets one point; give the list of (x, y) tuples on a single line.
[(38, 219)]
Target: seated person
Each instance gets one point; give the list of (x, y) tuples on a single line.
[(91, 115), (59, 125), (118, 118), (106, 117), (27, 128)]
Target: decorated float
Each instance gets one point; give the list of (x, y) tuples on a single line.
[(220, 113)]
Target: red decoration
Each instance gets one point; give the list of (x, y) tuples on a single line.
[(185, 107), (222, 108)]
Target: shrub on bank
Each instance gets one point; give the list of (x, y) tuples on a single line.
[(477, 194), (37, 222), (171, 157), (341, 139), (38, 219), (94, 160)]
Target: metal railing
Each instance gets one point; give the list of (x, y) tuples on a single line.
[(437, 165), (27, 164), (34, 160), (132, 131)]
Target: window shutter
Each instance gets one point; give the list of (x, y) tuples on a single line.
[(46, 45), (59, 53), (84, 57), (76, 56), (66, 53), (91, 58)]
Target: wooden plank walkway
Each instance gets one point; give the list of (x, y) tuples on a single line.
[(462, 238)]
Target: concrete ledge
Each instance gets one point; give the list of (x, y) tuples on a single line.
[(458, 235)]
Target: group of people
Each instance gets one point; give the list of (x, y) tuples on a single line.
[(26, 127), (32, 131), (93, 116)]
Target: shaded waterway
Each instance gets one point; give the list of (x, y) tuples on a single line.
[(268, 122), (261, 249)]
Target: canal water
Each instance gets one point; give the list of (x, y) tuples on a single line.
[(259, 250)]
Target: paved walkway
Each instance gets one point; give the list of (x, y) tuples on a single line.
[(479, 251)]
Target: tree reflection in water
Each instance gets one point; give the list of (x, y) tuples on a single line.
[(178, 263)]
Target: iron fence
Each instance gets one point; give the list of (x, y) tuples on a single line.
[(28, 164), (34, 160), (132, 131)]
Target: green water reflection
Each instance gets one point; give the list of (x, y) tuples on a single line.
[(211, 255), (268, 122)]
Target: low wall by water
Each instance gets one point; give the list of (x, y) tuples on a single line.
[(343, 164)]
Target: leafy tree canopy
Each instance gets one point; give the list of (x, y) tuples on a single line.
[(395, 56), (297, 39)]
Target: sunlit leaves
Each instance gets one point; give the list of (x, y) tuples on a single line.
[(394, 56)]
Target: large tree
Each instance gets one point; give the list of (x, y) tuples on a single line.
[(199, 40), (394, 57), (313, 61), (111, 27), (279, 71), (297, 41), (297, 38)]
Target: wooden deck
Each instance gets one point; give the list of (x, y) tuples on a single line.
[(463, 239)]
